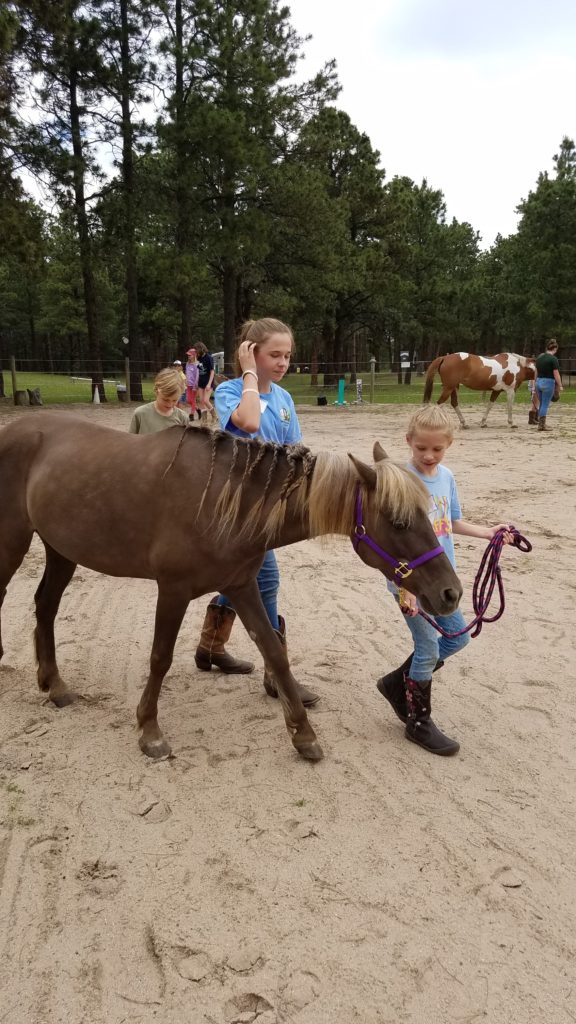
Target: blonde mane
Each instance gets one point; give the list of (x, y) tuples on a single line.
[(267, 512), (331, 502), (323, 488)]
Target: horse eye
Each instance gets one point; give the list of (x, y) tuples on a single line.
[(400, 525)]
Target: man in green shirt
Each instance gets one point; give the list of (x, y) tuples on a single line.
[(162, 412), (547, 377)]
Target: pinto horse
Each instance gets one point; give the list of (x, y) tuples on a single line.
[(504, 372), (144, 505)]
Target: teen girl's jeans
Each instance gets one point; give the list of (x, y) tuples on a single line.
[(268, 581), (430, 646), (545, 388)]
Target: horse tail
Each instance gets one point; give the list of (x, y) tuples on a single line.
[(430, 374)]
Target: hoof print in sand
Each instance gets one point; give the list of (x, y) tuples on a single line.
[(156, 812), (246, 1008), (301, 989), (245, 960), (195, 967), (99, 878)]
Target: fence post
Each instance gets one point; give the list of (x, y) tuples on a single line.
[(372, 377), (127, 372), (341, 388), (14, 381)]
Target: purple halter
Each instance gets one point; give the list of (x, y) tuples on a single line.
[(402, 569)]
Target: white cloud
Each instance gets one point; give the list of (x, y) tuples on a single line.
[(478, 120)]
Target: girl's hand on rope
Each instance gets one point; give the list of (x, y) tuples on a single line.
[(508, 537), (246, 356), (408, 603)]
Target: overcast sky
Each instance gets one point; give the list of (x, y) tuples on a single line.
[(473, 95)]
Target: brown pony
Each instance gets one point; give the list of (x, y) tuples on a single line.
[(141, 505), (504, 372)]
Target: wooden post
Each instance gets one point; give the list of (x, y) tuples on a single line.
[(372, 377), (14, 381), (127, 372)]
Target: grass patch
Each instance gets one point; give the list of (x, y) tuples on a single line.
[(387, 391), (59, 389)]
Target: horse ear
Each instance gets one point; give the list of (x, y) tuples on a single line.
[(378, 452), (366, 473)]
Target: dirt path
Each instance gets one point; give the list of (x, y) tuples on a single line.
[(237, 883)]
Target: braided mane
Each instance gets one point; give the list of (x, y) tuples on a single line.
[(324, 486)]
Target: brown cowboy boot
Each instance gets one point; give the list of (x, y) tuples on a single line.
[(308, 697), (420, 728), (215, 633), (542, 423), (533, 417), (392, 686)]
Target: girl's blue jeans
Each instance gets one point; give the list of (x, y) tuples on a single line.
[(268, 581), (430, 646), (545, 388)]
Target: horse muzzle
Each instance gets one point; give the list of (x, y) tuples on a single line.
[(441, 602)]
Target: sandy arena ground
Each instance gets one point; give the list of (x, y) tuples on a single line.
[(238, 883)]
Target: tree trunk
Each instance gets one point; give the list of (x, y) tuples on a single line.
[(90, 299), (134, 349), (314, 365), (243, 301), (2, 391), (330, 375), (229, 297), (338, 351), (183, 219)]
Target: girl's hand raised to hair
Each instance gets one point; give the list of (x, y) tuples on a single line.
[(246, 356)]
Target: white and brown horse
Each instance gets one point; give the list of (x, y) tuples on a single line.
[(504, 372)]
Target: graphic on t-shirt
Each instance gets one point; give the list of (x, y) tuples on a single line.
[(285, 414), (440, 515)]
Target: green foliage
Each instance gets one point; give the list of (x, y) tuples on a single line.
[(241, 192)]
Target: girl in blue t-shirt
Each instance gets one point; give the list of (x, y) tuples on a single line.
[(408, 688), (254, 405)]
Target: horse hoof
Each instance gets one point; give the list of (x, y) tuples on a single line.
[(483, 424), (310, 751), (64, 700), (513, 426), (156, 749)]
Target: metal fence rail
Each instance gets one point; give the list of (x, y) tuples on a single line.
[(334, 384)]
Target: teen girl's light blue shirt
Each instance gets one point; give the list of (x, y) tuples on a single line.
[(278, 419)]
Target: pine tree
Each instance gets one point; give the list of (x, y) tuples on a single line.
[(60, 51), (231, 115)]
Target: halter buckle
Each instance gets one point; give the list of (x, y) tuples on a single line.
[(403, 570), (360, 530)]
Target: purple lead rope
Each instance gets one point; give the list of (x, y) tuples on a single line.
[(485, 581), (487, 577)]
